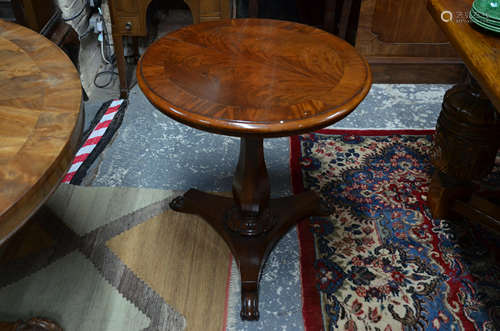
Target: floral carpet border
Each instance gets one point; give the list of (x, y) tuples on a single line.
[(312, 314)]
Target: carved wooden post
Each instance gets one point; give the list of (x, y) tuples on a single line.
[(466, 144)]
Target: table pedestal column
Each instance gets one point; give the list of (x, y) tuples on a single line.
[(466, 144), (251, 215), (250, 223)]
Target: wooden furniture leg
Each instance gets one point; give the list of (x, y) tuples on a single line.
[(120, 63), (329, 17), (466, 144), (135, 46), (344, 19), (253, 8), (250, 223)]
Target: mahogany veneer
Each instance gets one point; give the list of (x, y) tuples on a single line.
[(253, 79), (41, 121)]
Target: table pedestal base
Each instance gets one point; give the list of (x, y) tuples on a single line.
[(465, 148), (250, 252), (33, 324)]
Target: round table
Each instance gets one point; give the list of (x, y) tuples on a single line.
[(254, 79), (41, 122)]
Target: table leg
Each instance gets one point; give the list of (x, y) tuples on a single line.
[(120, 63), (465, 147), (250, 223), (135, 46)]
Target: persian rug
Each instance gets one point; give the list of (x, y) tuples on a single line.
[(380, 262), (107, 259)]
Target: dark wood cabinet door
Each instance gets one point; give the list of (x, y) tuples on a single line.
[(403, 44), (396, 21)]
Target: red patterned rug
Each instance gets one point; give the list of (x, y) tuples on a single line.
[(380, 262)]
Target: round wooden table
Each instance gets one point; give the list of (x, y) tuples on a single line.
[(41, 122), (253, 79)]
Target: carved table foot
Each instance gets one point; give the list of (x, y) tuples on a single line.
[(443, 190), (33, 324), (250, 251)]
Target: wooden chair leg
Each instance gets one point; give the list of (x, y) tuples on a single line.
[(135, 46), (329, 18), (120, 63), (253, 8), (344, 19)]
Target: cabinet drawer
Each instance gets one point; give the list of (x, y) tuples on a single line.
[(128, 25)]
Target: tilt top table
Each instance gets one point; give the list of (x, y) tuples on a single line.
[(253, 79), (41, 122)]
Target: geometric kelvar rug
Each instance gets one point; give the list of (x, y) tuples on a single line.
[(380, 262), (107, 259)]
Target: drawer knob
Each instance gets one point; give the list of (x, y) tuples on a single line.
[(128, 25)]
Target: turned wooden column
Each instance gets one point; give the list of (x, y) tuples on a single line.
[(251, 215), (466, 144)]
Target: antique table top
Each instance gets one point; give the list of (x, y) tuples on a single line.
[(253, 77), (41, 120)]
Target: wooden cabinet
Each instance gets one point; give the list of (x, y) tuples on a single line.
[(403, 44), (128, 18), (134, 11)]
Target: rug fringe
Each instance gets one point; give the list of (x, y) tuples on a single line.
[(234, 297)]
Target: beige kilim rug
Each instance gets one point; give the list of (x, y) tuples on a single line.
[(116, 259)]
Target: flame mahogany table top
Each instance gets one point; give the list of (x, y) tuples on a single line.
[(41, 120), (253, 78)]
